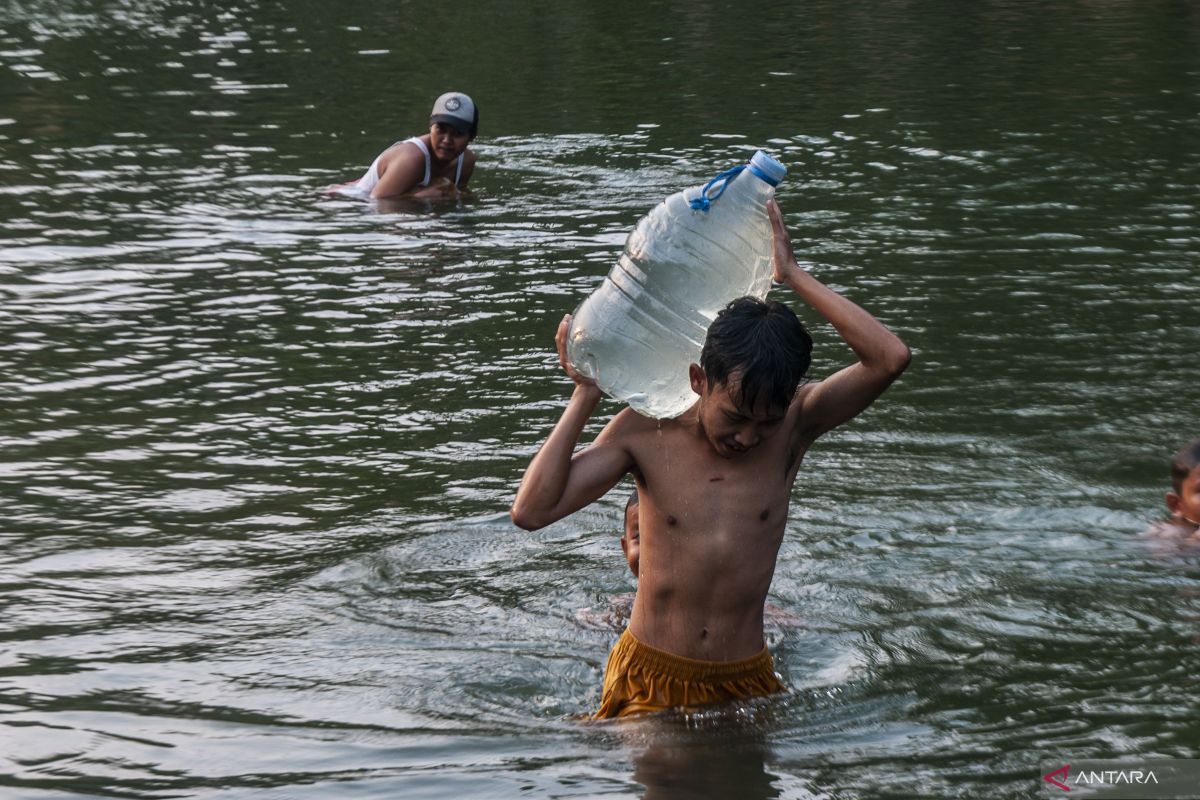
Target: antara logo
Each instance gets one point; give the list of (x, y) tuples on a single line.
[(1099, 777)]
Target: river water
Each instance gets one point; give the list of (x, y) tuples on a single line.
[(257, 444)]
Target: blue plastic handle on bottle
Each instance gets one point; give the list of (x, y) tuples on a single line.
[(705, 201)]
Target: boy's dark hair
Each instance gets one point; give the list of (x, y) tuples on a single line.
[(1186, 460), (764, 346), (633, 498)]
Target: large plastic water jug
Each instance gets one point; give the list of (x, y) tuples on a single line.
[(684, 261)]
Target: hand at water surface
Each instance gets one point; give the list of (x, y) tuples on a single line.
[(442, 187)]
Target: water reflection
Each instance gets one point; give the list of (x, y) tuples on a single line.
[(679, 764)]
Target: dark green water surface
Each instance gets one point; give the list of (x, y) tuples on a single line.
[(257, 444)]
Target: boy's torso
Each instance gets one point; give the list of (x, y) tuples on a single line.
[(711, 529)]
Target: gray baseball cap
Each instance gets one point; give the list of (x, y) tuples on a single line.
[(457, 110)]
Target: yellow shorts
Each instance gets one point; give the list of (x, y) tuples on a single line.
[(641, 679)]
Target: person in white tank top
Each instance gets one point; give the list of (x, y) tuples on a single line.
[(434, 165)]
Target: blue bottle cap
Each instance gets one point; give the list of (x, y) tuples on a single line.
[(767, 168)]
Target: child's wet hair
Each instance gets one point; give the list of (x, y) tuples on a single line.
[(761, 344), (1186, 460)]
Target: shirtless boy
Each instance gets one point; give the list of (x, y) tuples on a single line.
[(715, 484), (1183, 501)]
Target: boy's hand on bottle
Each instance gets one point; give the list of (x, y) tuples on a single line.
[(560, 340), (783, 263)]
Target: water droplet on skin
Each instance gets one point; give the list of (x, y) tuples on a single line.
[(666, 452)]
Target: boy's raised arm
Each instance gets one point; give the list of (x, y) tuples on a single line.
[(882, 356), (559, 481)]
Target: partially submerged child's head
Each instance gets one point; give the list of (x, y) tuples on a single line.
[(1183, 501), (760, 350), (631, 538), (458, 111)]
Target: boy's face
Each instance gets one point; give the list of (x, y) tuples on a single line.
[(732, 429), (631, 541), (447, 141), (1184, 505)]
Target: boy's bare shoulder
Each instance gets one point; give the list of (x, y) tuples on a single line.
[(630, 427), (629, 420), (1170, 530)]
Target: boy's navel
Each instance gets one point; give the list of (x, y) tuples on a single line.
[(766, 513), (716, 478), (671, 520)]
